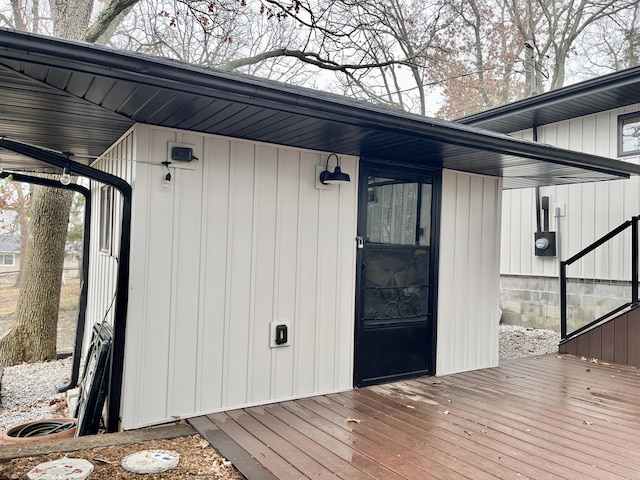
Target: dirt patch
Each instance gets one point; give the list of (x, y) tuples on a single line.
[(198, 461)]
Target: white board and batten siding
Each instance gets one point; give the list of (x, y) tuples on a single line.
[(104, 264), (469, 273), (237, 240), (590, 209)]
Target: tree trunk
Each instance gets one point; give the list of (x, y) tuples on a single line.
[(32, 337), (22, 213)]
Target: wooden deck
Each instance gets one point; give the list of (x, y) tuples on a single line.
[(548, 417)]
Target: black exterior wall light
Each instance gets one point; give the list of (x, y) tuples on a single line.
[(337, 176)]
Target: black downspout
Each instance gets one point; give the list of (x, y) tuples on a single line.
[(86, 237), (537, 193), (122, 283)]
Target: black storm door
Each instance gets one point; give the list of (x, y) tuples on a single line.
[(395, 325)]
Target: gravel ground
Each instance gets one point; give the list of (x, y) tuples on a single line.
[(29, 391), (518, 342)]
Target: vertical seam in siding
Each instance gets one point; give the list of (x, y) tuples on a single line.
[(204, 251), (275, 313), (295, 374), (295, 387), (173, 303), (228, 267), (252, 280), (316, 355)]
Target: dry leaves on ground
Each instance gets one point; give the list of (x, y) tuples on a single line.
[(198, 461)]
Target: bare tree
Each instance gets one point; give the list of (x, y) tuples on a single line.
[(32, 336), (555, 25), (611, 44), (486, 63), (372, 48), (481, 66), (398, 39)]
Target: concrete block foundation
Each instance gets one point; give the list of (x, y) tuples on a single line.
[(535, 301)]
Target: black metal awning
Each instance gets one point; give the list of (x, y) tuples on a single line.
[(80, 98)]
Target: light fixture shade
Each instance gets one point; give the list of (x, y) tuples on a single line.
[(65, 178), (337, 176)]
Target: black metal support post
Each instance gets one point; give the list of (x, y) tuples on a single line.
[(563, 300), (84, 273), (634, 261)]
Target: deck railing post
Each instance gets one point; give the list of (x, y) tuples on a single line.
[(634, 261), (563, 300)]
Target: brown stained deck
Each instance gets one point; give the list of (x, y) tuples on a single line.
[(549, 417)]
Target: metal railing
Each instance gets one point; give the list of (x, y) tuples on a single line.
[(606, 242)]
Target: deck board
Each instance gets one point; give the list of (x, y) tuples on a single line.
[(550, 417)]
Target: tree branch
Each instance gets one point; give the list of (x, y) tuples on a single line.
[(308, 57), (106, 18)]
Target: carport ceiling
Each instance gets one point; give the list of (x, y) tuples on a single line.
[(80, 98)]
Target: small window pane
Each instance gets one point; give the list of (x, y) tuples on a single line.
[(629, 134), (7, 259), (106, 219), (398, 213)]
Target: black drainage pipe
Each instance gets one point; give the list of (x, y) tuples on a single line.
[(122, 283)]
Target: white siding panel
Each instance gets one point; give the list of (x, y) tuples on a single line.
[(468, 273), (185, 264), (240, 241), (325, 363), (154, 259), (285, 280), (212, 319), (264, 272), (307, 306)]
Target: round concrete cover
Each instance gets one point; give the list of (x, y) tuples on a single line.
[(63, 468), (151, 461)]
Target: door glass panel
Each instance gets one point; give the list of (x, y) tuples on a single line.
[(398, 212), (396, 287)]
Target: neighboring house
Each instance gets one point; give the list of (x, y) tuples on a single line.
[(600, 116), (9, 253), (231, 274)]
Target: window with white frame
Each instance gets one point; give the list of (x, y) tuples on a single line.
[(629, 134), (106, 219), (7, 259)]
